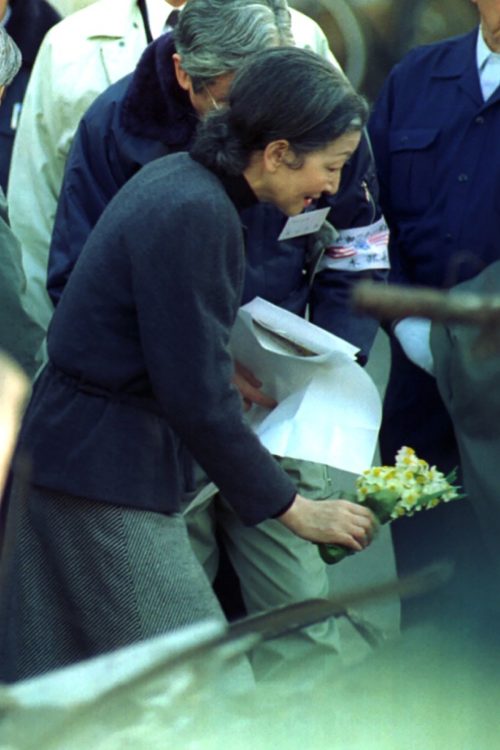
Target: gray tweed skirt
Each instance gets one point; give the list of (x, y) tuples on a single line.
[(79, 578)]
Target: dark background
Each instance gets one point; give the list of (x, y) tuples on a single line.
[(369, 36)]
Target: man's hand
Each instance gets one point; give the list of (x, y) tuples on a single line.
[(249, 387), (331, 522)]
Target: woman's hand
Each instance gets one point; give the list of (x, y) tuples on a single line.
[(249, 387), (331, 522)]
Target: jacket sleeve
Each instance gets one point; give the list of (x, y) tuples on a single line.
[(356, 205), (92, 177), (185, 314)]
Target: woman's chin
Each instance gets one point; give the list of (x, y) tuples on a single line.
[(289, 210)]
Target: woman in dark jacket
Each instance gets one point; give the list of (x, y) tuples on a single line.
[(27, 22), (139, 367)]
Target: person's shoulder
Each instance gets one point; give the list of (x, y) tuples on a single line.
[(176, 172), (107, 103), (427, 56), (181, 183), (307, 33), (103, 18), (303, 24)]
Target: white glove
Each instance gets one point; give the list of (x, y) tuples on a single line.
[(414, 336)]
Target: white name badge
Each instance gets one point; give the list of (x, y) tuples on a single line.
[(358, 249), (305, 223)]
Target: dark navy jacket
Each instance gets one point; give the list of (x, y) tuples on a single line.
[(138, 354), (29, 22), (437, 150), (146, 115)]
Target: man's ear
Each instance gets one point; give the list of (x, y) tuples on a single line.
[(183, 79), (275, 154)]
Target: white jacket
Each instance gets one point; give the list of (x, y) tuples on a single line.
[(309, 35), (78, 59)]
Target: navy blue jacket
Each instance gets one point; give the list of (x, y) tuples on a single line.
[(147, 115), (138, 358), (436, 146), (28, 23)]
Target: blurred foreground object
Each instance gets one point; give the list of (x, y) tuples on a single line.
[(160, 693), (14, 389), (468, 308)]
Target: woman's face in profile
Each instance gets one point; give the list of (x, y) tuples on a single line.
[(292, 189)]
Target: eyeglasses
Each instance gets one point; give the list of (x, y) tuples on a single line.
[(215, 103)]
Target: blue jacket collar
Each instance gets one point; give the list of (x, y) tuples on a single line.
[(458, 60)]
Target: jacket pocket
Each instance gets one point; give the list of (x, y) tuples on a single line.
[(412, 168)]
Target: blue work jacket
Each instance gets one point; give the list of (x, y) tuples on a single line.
[(437, 151)]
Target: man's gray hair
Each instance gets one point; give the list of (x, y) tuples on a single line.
[(214, 37), (10, 58)]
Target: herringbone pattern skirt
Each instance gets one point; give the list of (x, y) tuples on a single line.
[(81, 578)]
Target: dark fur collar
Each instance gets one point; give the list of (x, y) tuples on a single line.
[(155, 106)]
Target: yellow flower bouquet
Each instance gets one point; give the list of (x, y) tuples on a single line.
[(390, 492)]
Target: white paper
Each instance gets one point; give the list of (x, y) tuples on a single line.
[(305, 223), (328, 409)]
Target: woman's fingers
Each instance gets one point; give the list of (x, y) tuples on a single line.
[(331, 521)]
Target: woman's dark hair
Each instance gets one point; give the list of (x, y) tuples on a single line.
[(281, 93)]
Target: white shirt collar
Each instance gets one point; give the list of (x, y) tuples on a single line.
[(483, 52), (158, 10)]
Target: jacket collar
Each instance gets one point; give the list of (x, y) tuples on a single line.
[(113, 18), (458, 60), (238, 190), (154, 105)]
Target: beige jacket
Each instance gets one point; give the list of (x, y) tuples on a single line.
[(79, 57)]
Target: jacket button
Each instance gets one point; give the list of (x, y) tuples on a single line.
[(479, 120), (448, 236), (463, 177)]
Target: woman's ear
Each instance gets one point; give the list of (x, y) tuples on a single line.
[(183, 79), (275, 154)]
